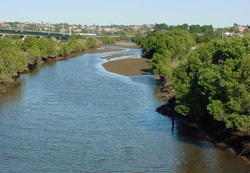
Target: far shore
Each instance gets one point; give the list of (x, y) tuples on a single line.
[(126, 46), (96, 50), (129, 66), (136, 66)]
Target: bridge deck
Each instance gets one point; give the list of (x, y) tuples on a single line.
[(33, 33)]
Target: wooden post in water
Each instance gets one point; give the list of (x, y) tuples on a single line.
[(172, 123)]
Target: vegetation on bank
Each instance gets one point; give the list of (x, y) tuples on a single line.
[(209, 81), (17, 55), (166, 50), (215, 81), (200, 34)]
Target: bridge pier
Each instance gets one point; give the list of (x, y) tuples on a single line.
[(24, 37)]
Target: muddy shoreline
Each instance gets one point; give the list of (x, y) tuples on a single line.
[(128, 67)]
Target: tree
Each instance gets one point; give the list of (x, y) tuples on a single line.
[(161, 64), (183, 27), (29, 42), (12, 61), (206, 29), (195, 28), (215, 82), (161, 26)]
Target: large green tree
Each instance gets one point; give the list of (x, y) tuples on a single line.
[(12, 60), (215, 81)]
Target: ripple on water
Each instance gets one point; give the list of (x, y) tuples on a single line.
[(75, 116)]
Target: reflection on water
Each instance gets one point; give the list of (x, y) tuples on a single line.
[(12, 95), (73, 116)]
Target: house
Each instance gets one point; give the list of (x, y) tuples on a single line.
[(242, 28), (228, 34), (78, 30)]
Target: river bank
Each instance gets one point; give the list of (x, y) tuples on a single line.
[(237, 142), (5, 86), (206, 129), (69, 109), (128, 66)]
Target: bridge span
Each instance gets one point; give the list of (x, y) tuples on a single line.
[(38, 34)]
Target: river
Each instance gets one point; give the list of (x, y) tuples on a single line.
[(73, 116)]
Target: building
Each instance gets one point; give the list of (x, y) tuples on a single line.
[(228, 34), (242, 28)]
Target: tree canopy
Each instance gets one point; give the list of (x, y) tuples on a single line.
[(215, 80), (15, 54), (165, 48), (211, 81)]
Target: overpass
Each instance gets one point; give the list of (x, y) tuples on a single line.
[(38, 34)]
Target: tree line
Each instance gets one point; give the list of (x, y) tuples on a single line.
[(200, 34), (16, 55), (166, 50), (209, 80)]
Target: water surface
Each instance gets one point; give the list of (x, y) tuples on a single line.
[(73, 116)]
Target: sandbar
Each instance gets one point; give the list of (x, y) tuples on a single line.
[(129, 67)]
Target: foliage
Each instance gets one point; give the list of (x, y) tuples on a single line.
[(15, 54), (124, 38), (33, 55), (107, 40), (160, 27), (12, 60), (200, 34), (47, 47), (215, 80), (178, 42), (161, 64), (91, 42), (165, 49), (205, 38), (29, 42), (211, 81)]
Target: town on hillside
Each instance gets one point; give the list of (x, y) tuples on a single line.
[(65, 28), (121, 30)]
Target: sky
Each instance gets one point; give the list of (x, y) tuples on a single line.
[(219, 13)]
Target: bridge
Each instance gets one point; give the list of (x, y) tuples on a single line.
[(38, 34)]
